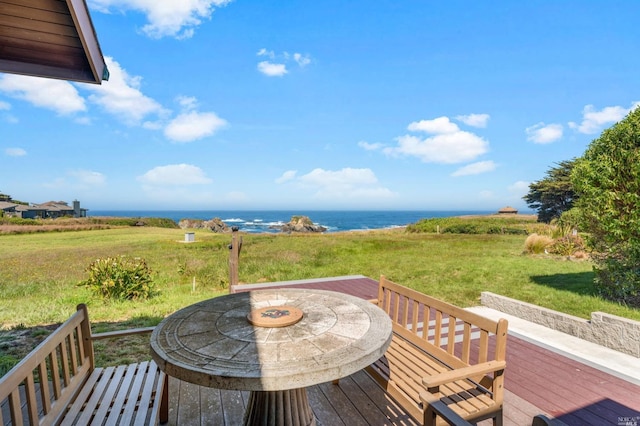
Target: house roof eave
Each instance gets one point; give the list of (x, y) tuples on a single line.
[(57, 40)]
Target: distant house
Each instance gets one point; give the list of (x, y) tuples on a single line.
[(48, 210), (508, 210), (7, 207)]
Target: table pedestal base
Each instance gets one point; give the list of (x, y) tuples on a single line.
[(286, 407)]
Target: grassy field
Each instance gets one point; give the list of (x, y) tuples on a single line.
[(39, 272)]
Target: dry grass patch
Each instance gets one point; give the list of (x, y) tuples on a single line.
[(537, 244)]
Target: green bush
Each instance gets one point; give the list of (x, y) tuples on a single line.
[(567, 245), (19, 221), (462, 228), (120, 278), (6, 363), (477, 225), (157, 222), (617, 280)]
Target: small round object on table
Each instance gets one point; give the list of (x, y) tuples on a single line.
[(279, 316)]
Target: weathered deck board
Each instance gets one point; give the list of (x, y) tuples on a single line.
[(356, 401)]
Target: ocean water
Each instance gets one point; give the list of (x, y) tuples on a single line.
[(262, 221)]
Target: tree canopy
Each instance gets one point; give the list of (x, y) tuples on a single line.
[(554, 194), (607, 178)]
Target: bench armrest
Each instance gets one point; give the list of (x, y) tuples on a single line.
[(434, 381), (120, 333), (374, 301), (439, 408)]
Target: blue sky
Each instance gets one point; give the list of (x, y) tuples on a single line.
[(226, 105)]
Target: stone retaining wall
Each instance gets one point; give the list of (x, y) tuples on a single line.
[(620, 334)]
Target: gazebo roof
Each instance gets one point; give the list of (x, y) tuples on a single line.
[(508, 209), (50, 38)]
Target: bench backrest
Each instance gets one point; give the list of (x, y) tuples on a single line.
[(455, 336), (39, 388)]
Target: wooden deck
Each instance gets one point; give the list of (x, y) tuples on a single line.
[(356, 401), (537, 381)]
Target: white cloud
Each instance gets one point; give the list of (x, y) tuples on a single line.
[(121, 96), (175, 175), (519, 188), (276, 66), (447, 148), (190, 126), (594, 121), (475, 168), (544, 133), (302, 60), (188, 103), (347, 184), (166, 17), (88, 177), (370, 146), (4, 106), (448, 145), (287, 176), (15, 152), (272, 70), (438, 125), (56, 95), (474, 120), (268, 53), (346, 176)]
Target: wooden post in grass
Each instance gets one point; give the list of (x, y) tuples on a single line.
[(234, 258)]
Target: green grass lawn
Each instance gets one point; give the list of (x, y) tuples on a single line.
[(39, 272)]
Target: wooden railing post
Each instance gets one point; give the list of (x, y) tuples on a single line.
[(234, 258)]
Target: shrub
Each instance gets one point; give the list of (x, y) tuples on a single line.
[(477, 225), (567, 245), (617, 280), (462, 228), (120, 278), (537, 244), (6, 363)]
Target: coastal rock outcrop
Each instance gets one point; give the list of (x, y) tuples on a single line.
[(301, 224), (215, 225)]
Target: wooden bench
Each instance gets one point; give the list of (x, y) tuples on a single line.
[(445, 365), (58, 384)]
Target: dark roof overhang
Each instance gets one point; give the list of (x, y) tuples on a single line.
[(50, 38)]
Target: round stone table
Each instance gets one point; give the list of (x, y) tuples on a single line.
[(212, 343)]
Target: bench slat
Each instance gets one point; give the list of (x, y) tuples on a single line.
[(73, 359), (466, 343), (136, 386), (15, 408), (115, 381), (85, 391), (148, 392), (64, 362), (55, 374), (30, 397), (45, 394), (87, 403), (121, 397)]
